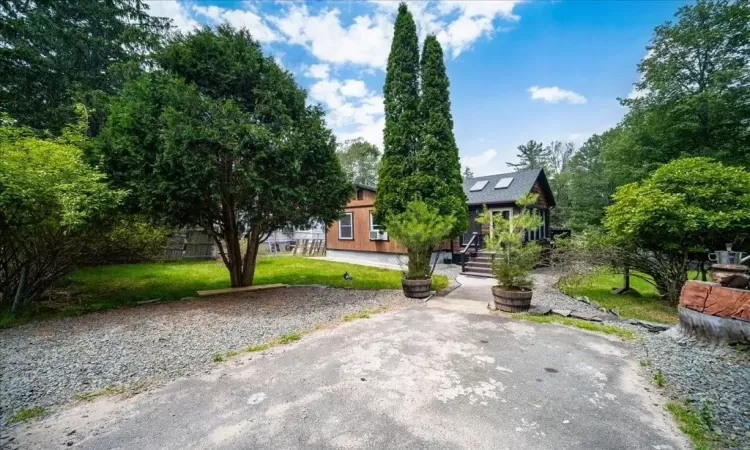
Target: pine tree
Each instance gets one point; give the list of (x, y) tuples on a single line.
[(402, 127), (532, 155), (438, 175)]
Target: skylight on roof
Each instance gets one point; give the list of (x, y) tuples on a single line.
[(478, 186), (504, 183)]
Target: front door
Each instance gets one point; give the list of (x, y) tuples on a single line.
[(506, 214)]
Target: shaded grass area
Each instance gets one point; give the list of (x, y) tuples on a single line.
[(597, 285), (628, 335), (106, 287), (695, 425)]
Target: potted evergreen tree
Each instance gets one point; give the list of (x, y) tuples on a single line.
[(421, 228), (514, 258)]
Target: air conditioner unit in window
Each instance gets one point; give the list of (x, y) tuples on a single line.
[(377, 235)]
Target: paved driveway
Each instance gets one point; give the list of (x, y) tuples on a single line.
[(414, 378)]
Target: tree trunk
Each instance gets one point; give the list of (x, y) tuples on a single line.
[(251, 256), (232, 237)]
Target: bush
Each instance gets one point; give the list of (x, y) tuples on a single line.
[(688, 205), (131, 239), (420, 229), (52, 204)]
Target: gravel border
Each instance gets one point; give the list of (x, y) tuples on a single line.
[(49, 362)]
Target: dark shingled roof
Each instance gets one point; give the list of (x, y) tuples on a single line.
[(521, 185)]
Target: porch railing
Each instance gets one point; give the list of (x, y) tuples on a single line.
[(475, 238)]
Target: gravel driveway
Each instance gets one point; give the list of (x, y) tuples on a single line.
[(47, 363)]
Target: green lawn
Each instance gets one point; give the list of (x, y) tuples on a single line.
[(105, 287), (598, 286)]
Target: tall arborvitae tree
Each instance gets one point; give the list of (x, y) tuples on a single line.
[(438, 175), (402, 125)]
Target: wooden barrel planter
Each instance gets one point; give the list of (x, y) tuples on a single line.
[(512, 301), (416, 288)]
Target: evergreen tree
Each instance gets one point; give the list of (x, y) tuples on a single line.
[(438, 175), (402, 127), (532, 155), (468, 173)]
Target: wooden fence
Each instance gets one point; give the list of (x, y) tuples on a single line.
[(190, 244)]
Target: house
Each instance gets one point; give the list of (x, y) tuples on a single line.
[(357, 236)]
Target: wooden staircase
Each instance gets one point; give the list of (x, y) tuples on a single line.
[(478, 264)]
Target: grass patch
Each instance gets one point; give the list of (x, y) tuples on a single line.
[(628, 335), (230, 354), (103, 392), (659, 379), (257, 348), (694, 426), (217, 357), (287, 338), (598, 286), (27, 414), (364, 314), (105, 287)]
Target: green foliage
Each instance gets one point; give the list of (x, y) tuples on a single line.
[(694, 88), (532, 155), (130, 239), (57, 53), (514, 259), (51, 205), (688, 205), (437, 180), (420, 229), (222, 139), (287, 338), (659, 379), (360, 160), (401, 136), (693, 426)]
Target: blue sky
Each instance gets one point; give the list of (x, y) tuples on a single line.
[(543, 70)]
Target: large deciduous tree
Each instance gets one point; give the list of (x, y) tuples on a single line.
[(222, 139), (56, 53), (402, 120), (360, 160), (694, 95), (589, 187), (438, 176)]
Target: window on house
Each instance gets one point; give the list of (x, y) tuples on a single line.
[(360, 194), (376, 230), (346, 226), (503, 183), (479, 185)]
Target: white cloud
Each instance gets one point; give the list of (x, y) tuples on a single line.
[(476, 19), (174, 10), (366, 41), (555, 95), (239, 18), (354, 88), (318, 71), (480, 164)]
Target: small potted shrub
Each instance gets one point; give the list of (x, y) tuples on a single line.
[(514, 259), (420, 229)]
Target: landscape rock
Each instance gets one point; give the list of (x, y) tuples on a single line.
[(562, 312), (540, 310), (585, 316)]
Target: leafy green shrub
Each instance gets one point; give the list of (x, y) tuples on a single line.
[(131, 239), (688, 205), (420, 229), (514, 259), (52, 204)]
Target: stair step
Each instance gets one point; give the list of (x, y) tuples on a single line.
[(478, 269), (477, 274), (479, 264), (481, 259)]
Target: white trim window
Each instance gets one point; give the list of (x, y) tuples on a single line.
[(507, 214), (377, 233), (346, 227)]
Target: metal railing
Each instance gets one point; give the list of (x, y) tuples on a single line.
[(475, 238)]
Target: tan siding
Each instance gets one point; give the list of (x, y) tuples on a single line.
[(542, 200)]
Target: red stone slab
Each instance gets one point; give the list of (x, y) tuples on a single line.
[(728, 302), (694, 295)]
